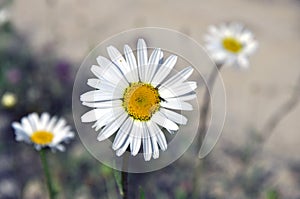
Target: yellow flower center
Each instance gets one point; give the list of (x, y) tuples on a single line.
[(231, 44), (141, 101), (42, 137)]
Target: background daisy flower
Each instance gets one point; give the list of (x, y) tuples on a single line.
[(135, 99), (43, 131), (230, 44)]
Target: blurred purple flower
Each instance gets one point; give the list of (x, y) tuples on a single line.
[(63, 69), (13, 75)]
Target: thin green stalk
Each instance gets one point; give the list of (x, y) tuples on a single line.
[(51, 190), (124, 177), (125, 184), (204, 112)]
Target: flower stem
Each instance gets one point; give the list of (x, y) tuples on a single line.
[(204, 112), (52, 192), (125, 184), (124, 177)]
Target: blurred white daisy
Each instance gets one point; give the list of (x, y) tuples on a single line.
[(44, 131), (4, 16), (134, 98), (230, 44)]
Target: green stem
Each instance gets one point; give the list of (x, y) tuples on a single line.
[(125, 184), (124, 177), (204, 112), (52, 192)]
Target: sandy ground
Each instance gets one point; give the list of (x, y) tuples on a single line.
[(72, 27)]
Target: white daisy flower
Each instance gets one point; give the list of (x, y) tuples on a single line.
[(43, 131), (135, 99), (230, 44), (4, 16)]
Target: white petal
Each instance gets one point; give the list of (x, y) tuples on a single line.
[(94, 115), (164, 70), (26, 125), (37, 147), (109, 71), (153, 64), (118, 59), (142, 57), (176, 104), (108, 118), (156, 133), (231, 60), (51, 124), (93, 82), (171, 132), (214, 31), (34, 120), (59, 125), (112, 127), (246, 36), (175, 117), (134, 77), (45, 117), (179, 77), (97, 95), (147, 148), (97, 71), (103, 84), (243, 62), (136, 135), (21, 134), (62, 135), (250, 48), (124, 147), (60, 147), (104, 104), (219, 55), (123, 133), (187, 97), (160, 119), (155, 153), (177, 90), (17, 126)]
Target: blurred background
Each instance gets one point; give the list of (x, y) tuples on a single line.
[(42, 44)]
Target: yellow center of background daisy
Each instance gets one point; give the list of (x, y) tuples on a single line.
[(141, 101), (231, 44), (42, 137)]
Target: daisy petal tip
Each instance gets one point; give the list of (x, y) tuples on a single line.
[(134, 153), (15, 124), (114, 147), (127, 48), (141, 41), (101, 137), (120, 152), (155, 154), (164, 148), (147, 157), (60, 148)]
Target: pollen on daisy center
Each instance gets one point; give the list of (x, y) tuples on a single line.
[(231, 44), (141, 101), (42, 137)]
